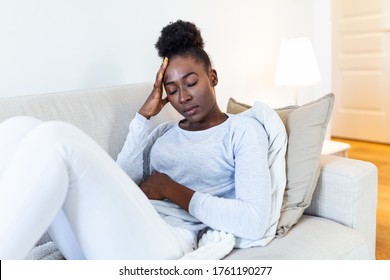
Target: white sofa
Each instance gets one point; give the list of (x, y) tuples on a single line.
[(340, 222)]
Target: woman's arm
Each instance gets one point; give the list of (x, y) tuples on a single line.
[(248, 214), (130, 158)]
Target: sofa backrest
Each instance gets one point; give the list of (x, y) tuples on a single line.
[(103, 113)]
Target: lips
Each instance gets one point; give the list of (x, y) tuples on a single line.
[(190, 110)]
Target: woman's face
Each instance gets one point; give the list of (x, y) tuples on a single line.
[(190, 90)]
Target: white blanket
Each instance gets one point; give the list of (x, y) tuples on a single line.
[(215, 244), (46, 251)]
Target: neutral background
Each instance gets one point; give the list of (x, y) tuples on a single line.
[(51, 46)]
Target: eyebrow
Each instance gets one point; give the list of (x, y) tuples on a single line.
[(185, 76)]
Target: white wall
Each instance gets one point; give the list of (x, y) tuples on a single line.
[(53, 45)]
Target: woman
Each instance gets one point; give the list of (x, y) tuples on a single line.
[(208, 170)]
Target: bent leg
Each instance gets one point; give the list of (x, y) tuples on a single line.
[(12, 131), (108, 214), (63, 236), (26, 208)]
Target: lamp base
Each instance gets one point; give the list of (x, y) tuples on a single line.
[(296, 96)]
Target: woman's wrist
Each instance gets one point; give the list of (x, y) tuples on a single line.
[(144, 114), (179, 194)]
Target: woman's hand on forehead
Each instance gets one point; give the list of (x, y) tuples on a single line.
[(154, 103)]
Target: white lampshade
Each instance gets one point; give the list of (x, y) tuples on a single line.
[(297, 65)]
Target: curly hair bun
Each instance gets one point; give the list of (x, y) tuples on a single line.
[(178, 38)]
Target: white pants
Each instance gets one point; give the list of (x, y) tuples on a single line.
[(53, 175)]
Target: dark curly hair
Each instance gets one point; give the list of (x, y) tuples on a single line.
[(184, 39)]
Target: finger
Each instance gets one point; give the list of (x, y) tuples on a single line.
[(159, 77), (164, 64), (162, 69)]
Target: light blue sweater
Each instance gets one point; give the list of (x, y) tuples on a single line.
[(225, 165)]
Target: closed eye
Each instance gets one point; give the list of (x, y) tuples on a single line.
[(192, 84), (171, 92)]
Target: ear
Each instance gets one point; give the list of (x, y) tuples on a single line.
[(213, 77)]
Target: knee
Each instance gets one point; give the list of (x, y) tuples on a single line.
[(56, 131), (16, 128), (20, 123)]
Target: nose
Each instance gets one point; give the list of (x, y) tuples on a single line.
[(184, 96)]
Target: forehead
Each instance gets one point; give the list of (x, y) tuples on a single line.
[(179, 66)]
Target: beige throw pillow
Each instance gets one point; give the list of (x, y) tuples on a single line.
[(306, 128)]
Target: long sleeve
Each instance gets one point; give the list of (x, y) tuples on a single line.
[(134, 158), (130, 158), (227, 167), (247, 214)]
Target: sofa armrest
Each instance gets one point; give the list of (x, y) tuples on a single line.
[(347, 192)]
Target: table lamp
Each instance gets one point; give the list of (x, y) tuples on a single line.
[(297, 65)]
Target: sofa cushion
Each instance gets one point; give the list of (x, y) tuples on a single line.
[(313, 238), (306, 128)]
